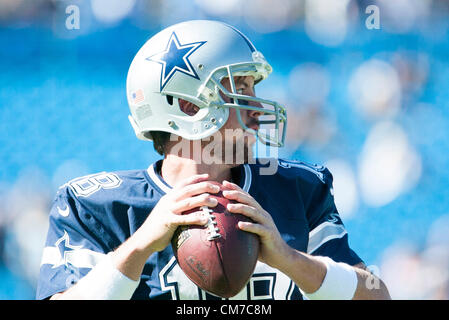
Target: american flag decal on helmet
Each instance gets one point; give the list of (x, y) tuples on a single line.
[(137, 96)]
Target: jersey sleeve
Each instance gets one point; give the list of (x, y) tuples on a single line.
[(327, 233), (71, 249)]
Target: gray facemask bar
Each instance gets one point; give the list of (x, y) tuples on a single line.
[(279, 111)]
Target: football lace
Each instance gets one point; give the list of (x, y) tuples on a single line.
[(212, 230)]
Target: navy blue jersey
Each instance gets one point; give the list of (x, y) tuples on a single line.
[(95, 214)]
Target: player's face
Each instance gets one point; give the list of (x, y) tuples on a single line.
[(236, 144), (244, 85), (232, 131)]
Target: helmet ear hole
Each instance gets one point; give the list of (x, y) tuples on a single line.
[(169, 99), (188, 107)]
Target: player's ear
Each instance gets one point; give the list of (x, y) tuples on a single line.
[(187, 107)]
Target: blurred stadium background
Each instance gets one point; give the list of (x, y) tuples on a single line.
[(371, 104)]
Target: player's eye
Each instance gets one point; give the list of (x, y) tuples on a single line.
[(240, 101)]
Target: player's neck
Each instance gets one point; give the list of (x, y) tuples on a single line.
[(175, 168)]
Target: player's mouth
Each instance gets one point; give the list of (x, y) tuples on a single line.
[(253, 124)]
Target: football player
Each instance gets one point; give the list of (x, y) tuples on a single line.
[(109, 233)]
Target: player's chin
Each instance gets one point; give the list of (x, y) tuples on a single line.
[(243, 153), (250, 140)]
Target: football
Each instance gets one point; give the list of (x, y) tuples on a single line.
[(218, 257)]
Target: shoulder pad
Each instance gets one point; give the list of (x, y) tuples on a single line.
[(303, 169)]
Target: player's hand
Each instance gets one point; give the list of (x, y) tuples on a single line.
[(166, 216), (273, 249)]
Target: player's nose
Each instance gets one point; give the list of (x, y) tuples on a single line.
[(255, 113)]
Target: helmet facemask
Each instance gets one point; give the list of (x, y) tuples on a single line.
[(273, 119)]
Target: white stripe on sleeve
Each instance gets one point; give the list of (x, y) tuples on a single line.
[(79, 258), (324, 233)]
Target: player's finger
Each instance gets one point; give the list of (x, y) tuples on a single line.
[(256, 228), (197, 218), (241, 196), (231, 185), (246, 210), (190, 180), (193, 202), (195, 189)]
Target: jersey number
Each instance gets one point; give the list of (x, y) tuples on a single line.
[(85, 186), (265, 283)]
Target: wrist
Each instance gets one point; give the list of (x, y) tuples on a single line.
[(308, 273), (340, 282), (131, 256), (105, 282), (285, 259)]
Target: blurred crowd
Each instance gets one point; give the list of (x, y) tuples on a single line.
[(367, 100)]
